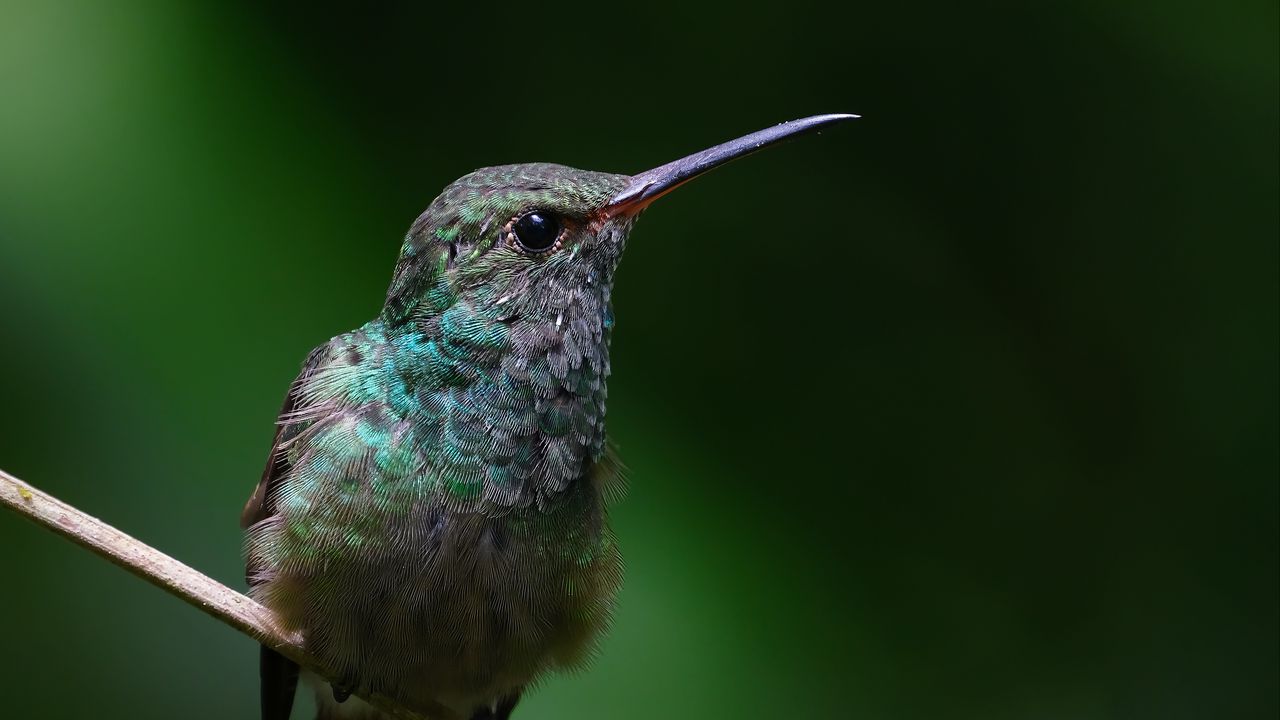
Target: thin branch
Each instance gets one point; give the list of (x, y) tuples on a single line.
[(194, 588)]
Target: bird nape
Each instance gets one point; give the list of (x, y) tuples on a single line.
[(433, 517)]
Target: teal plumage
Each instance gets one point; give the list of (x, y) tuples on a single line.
[(433, 517)]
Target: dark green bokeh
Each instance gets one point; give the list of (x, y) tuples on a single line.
[(966, 410)]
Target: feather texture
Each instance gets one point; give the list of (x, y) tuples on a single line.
[(433, 516)]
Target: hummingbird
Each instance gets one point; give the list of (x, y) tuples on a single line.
[(433, 516)]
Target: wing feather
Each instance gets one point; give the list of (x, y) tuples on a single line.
[(279, 675)]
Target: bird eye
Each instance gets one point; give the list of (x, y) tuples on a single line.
[(536, 232)]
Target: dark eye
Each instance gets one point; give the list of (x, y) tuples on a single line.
[(537, 231)]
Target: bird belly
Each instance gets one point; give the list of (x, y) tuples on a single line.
[(451, 611)]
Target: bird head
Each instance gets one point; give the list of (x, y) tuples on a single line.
[(519, 242)]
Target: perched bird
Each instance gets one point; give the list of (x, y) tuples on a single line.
[(432, 519)]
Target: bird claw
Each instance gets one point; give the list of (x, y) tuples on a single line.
[(340, 692)]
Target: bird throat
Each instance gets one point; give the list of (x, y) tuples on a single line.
[(506, 394)]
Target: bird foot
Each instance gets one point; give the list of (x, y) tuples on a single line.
[(341, 691)]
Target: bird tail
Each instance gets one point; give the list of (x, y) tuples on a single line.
[(279, 678)]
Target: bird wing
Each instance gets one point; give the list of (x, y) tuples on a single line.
[(279, 675), (261, 504)]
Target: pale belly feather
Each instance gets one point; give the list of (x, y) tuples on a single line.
[(460, 609)]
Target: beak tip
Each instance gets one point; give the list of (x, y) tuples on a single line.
[(651, 184), (834, 117)]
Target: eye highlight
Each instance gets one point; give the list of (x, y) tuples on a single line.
[(536, 232)]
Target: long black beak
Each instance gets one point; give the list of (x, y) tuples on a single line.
[(653, 184)]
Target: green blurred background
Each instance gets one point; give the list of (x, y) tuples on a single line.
[(966, 410)]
